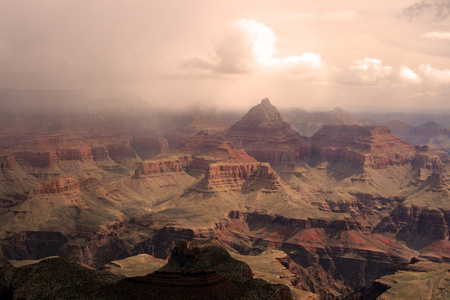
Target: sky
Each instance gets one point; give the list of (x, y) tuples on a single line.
[(175, 53)]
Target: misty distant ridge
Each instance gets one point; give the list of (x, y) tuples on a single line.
[(56, 101)]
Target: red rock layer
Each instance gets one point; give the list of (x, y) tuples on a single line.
[(432, 160), (59, 185), (338, 247), (200, 165), (370, 146), (235, 177), (175, 164), (413, 221), (203, 143), (218, 147), (100, 153), (343, 224)]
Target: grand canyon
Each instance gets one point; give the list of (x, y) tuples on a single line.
[(231, 149), (351, 211)]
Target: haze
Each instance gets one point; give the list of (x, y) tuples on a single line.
[(314, 55)]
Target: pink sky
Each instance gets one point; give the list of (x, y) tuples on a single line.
[(309, 54)]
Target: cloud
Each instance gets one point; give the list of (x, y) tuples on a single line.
[(435, 76), (437, 35), (437, 10), (367, 71), (249, 47), (408, 75), (372, 71)]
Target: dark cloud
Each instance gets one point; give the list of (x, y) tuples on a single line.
[(437, 10)]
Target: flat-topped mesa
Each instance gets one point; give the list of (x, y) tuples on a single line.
[(223, 176), (168, 164), (42, 158), (207, 148), (218, 147), (266, 137), (369, 146), (430, 159), (432, 128), (58, 185)]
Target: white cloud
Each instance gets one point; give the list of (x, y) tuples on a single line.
[(250, 46), (434, 76), (367, 71), (408, 75), (437, 35)]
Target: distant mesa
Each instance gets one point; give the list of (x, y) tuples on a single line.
[(308, 123)]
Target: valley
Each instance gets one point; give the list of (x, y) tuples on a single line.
[(343, 203)]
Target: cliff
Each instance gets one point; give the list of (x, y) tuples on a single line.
[(58, 185), (336, 255), (370, 146), (169, 164), (419, 227), (239, 176)]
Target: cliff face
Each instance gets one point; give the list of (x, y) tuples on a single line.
[(236, 177), (339, 250), (266, 137), (174, 164), (59, 185), (419, 227), (373, 147), (7, 162)]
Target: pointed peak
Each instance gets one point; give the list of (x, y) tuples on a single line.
[(261, 115), (266, 102), (337, 109)]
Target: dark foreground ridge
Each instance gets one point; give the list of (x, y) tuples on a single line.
[(196, 270)]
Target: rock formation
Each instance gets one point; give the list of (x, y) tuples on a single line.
[(374, 147), (238, 176), (430, 133), (307, 123), (346, 206), (266, 137)]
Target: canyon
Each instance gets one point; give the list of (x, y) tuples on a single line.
[(344, 206)]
